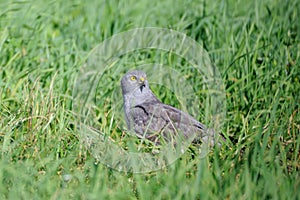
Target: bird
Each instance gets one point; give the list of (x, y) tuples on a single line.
[(153, 120)]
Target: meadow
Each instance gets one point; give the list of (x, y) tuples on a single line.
[(255, 45)]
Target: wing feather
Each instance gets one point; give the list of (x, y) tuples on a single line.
[(153, 119)]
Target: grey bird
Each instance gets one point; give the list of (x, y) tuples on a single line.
[(149, 118)]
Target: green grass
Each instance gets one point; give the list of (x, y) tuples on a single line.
[(255, 46)]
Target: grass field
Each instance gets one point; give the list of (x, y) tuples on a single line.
[(255, 46)]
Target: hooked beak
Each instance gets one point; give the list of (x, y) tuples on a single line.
[(142, 83)]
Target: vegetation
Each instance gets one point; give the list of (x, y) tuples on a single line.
[(255, 46)]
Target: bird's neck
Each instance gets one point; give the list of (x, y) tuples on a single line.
[(138, 98)]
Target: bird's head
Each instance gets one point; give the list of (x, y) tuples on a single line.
[(134, 82)]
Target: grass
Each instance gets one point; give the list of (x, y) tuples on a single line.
[(255, 46)]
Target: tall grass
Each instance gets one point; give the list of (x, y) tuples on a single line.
[(255, 46)]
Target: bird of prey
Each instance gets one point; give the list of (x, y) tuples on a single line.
[(149, 118)]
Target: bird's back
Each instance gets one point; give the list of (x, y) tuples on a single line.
[(158, 120)]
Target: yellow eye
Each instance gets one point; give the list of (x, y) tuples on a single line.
[(133, 78)]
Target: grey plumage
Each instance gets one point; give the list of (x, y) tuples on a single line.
[(148, 117)]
